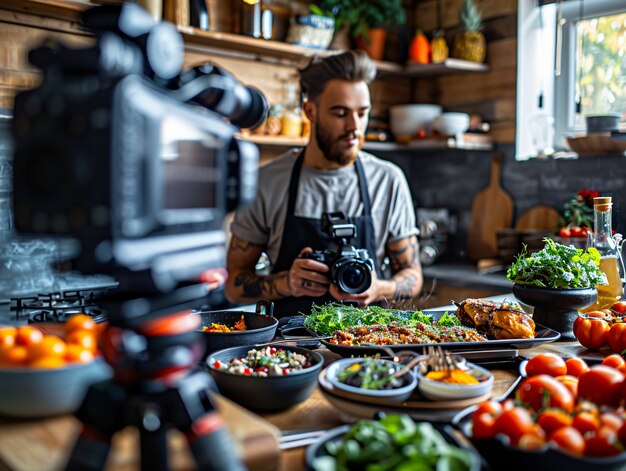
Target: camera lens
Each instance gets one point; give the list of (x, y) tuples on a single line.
[(352, 276)]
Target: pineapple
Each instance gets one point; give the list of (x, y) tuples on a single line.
[(439, 48), (469, 44)]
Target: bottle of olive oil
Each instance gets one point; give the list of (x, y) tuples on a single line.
[(610, 258)]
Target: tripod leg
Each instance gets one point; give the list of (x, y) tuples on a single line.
[(212, 446), (90, 451)]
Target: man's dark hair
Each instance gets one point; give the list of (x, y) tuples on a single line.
[(352, 66)]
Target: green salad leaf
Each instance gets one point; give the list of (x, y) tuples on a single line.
[(328, 318), (558, 266)]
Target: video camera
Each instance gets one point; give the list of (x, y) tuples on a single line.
[(350, 268), (136, 160)]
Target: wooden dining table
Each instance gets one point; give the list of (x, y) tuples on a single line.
[(45, 444)]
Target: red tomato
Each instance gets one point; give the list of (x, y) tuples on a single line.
[(570, 382), (489, 407), (611, 420), (551, 420), (586, 422), (482, 426), (601, 385), (617, 340), (585, 231), (603, 443), (514, 423), (619, 306), (570, 440), (546, 364), (565, 232), (576, 231), (543, 391), (531, 441), (591, 332), (576, 366), (614, 360)]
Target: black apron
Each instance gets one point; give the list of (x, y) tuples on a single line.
[(300, 232)]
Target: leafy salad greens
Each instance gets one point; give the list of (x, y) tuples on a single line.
[(394, 443), (558, 266), (328, 318)]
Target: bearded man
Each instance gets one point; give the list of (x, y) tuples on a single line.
[(330, 174)]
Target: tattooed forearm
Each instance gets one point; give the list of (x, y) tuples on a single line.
[(406, 256), (257, 287), (240, 245), (405, 287)]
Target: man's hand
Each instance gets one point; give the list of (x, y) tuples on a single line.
[(307, 277), (365, 298)]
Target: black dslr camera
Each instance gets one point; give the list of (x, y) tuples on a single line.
[(350, 268)]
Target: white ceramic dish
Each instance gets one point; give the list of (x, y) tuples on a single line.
[(439, 391), (396, 394), (407, 120), (450, 124)]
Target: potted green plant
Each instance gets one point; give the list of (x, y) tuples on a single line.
[(366, 20)]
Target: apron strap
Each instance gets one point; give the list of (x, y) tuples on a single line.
[(365, 196)]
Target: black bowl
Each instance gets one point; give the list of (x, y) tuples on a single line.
[(270, 393), (556, 308)]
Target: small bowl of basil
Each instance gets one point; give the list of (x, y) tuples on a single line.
[(371, 377)]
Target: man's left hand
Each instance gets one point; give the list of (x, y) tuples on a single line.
[(365, 298)]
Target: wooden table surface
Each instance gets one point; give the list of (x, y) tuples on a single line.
[(42, 445)]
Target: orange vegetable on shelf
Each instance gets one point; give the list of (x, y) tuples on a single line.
[(419, 49)]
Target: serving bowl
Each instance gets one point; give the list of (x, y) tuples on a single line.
[(440, 391), (29, 392), (270, 393), (451, 124), (399, 394), (556, 308), (407, 120)]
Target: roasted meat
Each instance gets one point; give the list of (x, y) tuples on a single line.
[(506, 321)]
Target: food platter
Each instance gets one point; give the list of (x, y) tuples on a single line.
[(542, 335)]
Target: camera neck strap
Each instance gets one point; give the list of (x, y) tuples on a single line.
[(295, 180)]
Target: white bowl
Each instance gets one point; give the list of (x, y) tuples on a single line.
[(30, 392), (451, 124), (396, 394), (407, 120), (439, 391)]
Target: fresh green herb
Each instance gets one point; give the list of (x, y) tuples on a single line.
[(328, 318), (558, 266), (395, 442)]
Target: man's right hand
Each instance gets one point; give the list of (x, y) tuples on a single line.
[(308, 277)]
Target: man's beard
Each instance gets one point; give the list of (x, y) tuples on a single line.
[(330, 146)]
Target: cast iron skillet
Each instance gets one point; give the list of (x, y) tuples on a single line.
[(261, 327)]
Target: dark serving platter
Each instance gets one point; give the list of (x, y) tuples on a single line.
[(542, 335)]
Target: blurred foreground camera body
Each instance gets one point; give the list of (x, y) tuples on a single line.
[(350, 268), (118, 150)]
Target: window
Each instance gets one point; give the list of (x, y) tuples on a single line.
[(585, 75)]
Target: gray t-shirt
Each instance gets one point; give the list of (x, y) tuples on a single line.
[(322, 191)]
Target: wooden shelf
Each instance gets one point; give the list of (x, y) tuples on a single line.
[(261, 140), (449, 66)]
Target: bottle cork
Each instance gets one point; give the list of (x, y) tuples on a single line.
[(602, 203)]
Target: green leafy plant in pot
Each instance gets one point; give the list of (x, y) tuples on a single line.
[(558, 280), (366, 20), (470, 43)]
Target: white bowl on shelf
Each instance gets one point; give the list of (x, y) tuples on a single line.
[(407, 120), (440, 391), (451, 124)]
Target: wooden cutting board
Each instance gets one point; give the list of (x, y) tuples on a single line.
[(542, 217), (492, 209)]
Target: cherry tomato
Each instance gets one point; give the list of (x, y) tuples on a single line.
[(551, 420), (586, 422), (591, 332), (482, 426), (576, 366), (565, 232), (531, 441), (611, 420), (546, 364), (27, 335), (570, 440), (543, 391), (570, 382), (619, 306), (603, 443), (617, 340), (614, 360), (489, 407), (514, 423), (585, 231), (601, 385)]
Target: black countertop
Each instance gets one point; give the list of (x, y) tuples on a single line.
[(467, 275)]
